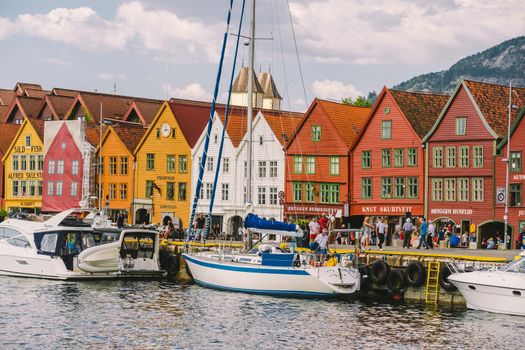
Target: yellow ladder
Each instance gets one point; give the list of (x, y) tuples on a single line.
[(432, 290)]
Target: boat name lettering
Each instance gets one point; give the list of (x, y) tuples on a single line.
[(451, 211)]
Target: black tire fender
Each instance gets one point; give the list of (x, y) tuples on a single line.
[(443, 279), (378, 272), (415, 274), (173, 264), (396, 281)]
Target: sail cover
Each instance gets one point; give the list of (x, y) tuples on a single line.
[(276, 227)]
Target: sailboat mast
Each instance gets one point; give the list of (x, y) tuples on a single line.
[(249, 156)]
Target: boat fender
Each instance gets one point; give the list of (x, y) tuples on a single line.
[(396, 281), (173, 264), (443, 279), (378, 272), (415, 274)]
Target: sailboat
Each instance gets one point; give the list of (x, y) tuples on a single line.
[(265, 269)]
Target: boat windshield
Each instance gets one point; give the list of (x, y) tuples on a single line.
[(515, 266), (62, 243)]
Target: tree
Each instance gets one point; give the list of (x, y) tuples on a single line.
[(3, 214), (360, 101)]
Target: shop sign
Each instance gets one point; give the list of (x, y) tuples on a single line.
[(310, 209), (168, 206), (27, 204), (519, 177), (24, 149), (439, 211), (165, 177), (28, 175), (385, 209), (521, 212)]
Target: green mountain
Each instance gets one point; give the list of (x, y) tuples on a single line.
[(498, 65)]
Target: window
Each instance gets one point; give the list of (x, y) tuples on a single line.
[(215, 138), (261, 195), (112, 191), (411, 156), (451, 156), (273, 168), (40, 162), (334, 165), (60, 167), (58, 188), (450, 190), (437, 189), (14, 163), (39, 188), (366, 187), (170, 163), (262, 168), (273, 195), (477, 189), (398, 157), (297, 192), (23, 188), (386, 129), (209, 164), (158, 132), (478, 156), (51, 167), (463, 189), (201, 192), (366, 159), (386, 187), (15, 189), (461, 126), (150, 161), (515, 162), (413, 186), (173, 133), (261, 139), (183, 164), (74, 167), (225, 165), (209, 189), (32, 188), (182, 191), (334, 193), (32, 162), (329, 193), (310, 165), (463, 156), (170, 191), (28, 140), (297, 164), (399, 187), (386, 158), (245, 195), (74, 188), (23, 162), (149, 188), (225, 192), (123, 165), (316, 133), (309, 192), (112, 165), (515, 195), (437, 156), (245, 169)]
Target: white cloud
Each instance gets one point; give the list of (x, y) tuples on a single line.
[(403, 31), (192, 91), (56, 61), (334, 90), (5, 27)]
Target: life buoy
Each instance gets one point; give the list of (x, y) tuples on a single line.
[(415, 274), (378, 271), (443, 279), (172, 264), (396, 281)]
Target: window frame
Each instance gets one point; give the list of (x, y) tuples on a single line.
[(464, 156), (366, 159), (386, 181), (297, 163), (459, 126), (386, 154), (411, 156), (366, 187), (316, 133), (384, 123), (399, 157), (309, 167), (437, 159)]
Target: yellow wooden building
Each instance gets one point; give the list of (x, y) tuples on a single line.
[(118, 144), (163, 164), (23, 165)]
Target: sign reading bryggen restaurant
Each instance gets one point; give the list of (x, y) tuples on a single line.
[(23, 170)]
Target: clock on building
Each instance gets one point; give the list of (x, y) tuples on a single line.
[(165, 130)]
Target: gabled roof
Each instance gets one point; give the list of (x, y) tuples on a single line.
[(268, 85), (38, 125), (28, 107), (21, 87), (192, 119), (421, 109), (145, 109), (130, 135), (241, 82), (64, 92), (520, 116), (6, 97), (8, 132), (284, 125), (59, 106), (93, 134), (39, 93), (3, 111), (237, 123)]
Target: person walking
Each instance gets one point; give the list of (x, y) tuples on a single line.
[(423, 234), (367, 230), (431, 233), (407, 229), (381, 230)]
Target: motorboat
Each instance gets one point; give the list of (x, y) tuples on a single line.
[(64, 248), (499, 290), (270, 270)]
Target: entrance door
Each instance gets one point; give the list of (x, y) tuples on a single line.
[(142, 217)]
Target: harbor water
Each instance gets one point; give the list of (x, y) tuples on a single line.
[(41, 314)]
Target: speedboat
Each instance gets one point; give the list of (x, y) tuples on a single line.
[(65, 249), (272, 271), (499, 290)]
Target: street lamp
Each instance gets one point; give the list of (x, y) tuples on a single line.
[(507, 163)]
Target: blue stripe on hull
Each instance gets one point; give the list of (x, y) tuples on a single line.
[(284, 271), (282, 293)]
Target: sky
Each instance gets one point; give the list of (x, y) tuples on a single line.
[(171, 48)]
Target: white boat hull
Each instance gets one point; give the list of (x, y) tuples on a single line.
[(493, 291), (285, 281)]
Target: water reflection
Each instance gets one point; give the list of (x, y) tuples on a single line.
[(143, 315)]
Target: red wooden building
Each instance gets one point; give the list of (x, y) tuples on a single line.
[(462, 157), (318, 160), (388, 160)]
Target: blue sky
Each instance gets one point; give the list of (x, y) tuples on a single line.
[(347, 47)]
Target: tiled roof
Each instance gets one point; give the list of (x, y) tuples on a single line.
[(38, 93), (6, 97), (284, 125), (61, 104), (148, 109), (237, 123), (130, 134), (113, 106), (348, 119), (8, 132), (64, 92), (93, 134), (493, 101), (191, 117), (38, 125), (3, 111), (24, 86), (420, 108), (29, 105), (241, 82)]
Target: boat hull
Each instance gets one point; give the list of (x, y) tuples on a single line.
[(492, 291), (280, 281)]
